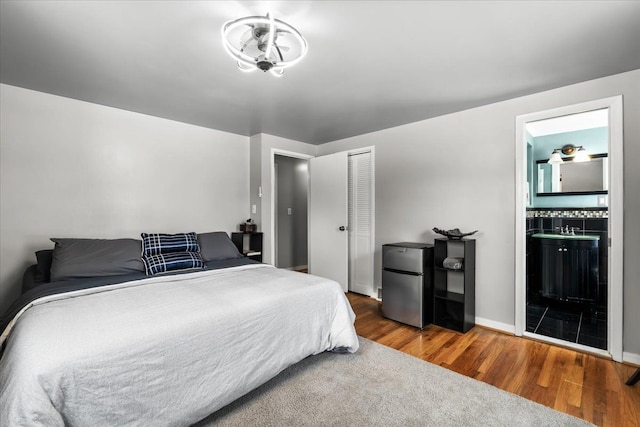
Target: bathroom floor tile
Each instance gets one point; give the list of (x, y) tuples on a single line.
[(595, 342), (582, 326), (600, 315), (563, 315), (561, 325), (566, 334), (593, 332), (534, 314)]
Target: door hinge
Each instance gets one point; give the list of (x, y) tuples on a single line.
[(609, 239)]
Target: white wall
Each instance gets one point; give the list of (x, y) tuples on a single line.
[(74, 169), (458, 170)]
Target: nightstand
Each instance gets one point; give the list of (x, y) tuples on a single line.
[(249, 244)]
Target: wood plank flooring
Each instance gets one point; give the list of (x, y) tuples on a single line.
[(583, 385)]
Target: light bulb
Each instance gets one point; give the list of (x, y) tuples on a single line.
[(555, 158), (581, 156)]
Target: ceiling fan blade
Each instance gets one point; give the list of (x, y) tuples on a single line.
[(246, 37), (278, 50)]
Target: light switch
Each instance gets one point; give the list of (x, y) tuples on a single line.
[(288, 211), (253, 208)]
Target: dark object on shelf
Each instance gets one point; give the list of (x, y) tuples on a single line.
[(248, 244), (248, 227), (454, 294), (634, 378), (454, 234), (407, 283)]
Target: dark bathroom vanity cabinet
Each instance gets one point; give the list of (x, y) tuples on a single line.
[(567, 266)]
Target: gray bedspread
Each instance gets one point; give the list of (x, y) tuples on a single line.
[(166, 350)]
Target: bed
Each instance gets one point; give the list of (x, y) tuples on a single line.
[(165, 349)]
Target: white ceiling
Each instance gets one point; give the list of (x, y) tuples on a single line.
[(570, 123), (371, 64)]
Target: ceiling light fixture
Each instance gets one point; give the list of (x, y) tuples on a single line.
[(263, 43), (580, 154)]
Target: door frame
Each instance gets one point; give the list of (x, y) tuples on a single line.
[(615, 226), (272, 161), (307, 157)]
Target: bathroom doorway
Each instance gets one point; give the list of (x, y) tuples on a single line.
[(571, 179), (291, 186)]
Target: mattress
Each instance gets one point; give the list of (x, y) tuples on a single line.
[(166, 350)]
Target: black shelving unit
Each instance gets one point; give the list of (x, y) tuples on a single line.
[(454, 296), (249, 244)]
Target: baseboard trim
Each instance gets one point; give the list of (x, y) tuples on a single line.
[(297, 267), (627, 357), (633, 358), (498, 326)]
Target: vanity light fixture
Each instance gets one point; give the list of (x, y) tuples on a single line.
[(580, 154), (263, 43)]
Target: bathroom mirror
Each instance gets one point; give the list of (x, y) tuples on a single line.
[(573, 178)]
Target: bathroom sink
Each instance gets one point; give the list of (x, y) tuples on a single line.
[(565, 236)]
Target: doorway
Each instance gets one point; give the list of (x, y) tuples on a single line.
[(569, 238), (342, 219), (291, 185)]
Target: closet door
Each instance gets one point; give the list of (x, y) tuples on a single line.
[(328, 243), (360, 223)]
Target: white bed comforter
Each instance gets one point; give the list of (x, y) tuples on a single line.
[(166, 350)]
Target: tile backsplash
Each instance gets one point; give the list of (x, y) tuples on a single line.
[(568, 213)]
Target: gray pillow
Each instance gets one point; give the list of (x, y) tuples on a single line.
[(216, 246), (78, 258)]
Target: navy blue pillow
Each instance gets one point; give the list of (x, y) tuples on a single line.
[(163, 263), (158, 243)]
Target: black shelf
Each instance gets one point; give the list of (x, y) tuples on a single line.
[(447, 321), (454, 297), (449, 296), (450, 269)]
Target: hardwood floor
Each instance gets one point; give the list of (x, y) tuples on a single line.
[(583, 385)]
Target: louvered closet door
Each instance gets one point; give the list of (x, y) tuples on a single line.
[(360, 223)]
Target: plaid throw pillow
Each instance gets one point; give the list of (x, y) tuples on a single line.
[(156, 244), (163, 263)]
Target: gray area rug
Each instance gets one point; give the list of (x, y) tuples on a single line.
[(379, 386)]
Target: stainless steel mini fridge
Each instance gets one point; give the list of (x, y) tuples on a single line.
[(407, 284)]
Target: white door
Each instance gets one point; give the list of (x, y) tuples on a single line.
[(328, 238), (360, 224)]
